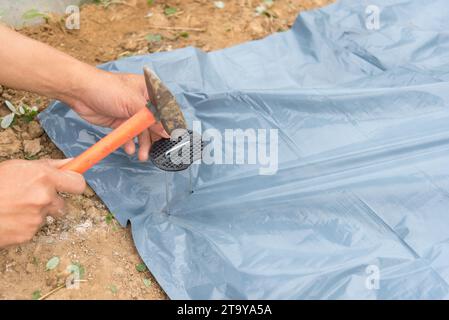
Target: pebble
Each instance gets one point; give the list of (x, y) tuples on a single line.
[(50, 220), (83, 227), (35, 130), (32, 147), (256, 28), (6, 96), (130, 45), (9, 144), (89, 192), (87, 203)]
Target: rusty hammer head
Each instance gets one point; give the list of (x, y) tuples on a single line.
[(163, 104)]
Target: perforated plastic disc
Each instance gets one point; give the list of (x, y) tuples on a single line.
[(169, 155)]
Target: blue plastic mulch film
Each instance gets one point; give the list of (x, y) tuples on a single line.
[(359, 205)]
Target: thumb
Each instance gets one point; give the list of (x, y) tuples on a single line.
[(66, 180)]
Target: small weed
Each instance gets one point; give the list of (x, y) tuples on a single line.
[(36, 295), (27, 157), (184, 34), (78, 268), (147, 282), (109, 218), (23, 111), (107, 3), (113, 289), (141, 267), (153, 37), (52, 263), (34, 13), (169, 11)]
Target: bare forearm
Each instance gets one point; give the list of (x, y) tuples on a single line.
[(33, 66)]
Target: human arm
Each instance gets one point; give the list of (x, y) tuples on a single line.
[(100, 97)]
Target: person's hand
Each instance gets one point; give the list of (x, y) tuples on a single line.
[(29, 192), (108, 99)]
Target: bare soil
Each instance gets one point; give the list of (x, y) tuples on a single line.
[(88, 235)]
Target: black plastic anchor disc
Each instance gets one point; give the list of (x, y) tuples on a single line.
[(169, 155)]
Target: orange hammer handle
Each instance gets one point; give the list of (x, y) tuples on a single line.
[(125, 132)]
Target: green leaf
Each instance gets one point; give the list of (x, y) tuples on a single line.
[(147, 282), (141, 267), (150, 2), (36, 295), (76, 267), (27, 157), (34, 13), (113, 288), (109, 218), (52, 263), (153, 37), (30, 113), (7, 121), (184, 34), (170, 11), (11, 106)]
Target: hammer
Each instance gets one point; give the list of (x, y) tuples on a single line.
[(161, 107)]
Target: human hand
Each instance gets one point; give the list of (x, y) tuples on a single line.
[(109, 99), (29, 192)]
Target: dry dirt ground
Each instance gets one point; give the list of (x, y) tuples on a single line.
[(88, 236)]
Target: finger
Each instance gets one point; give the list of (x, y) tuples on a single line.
[(159, 130), (154, 137), (68, 181), (130, 147), (144, 145), (55, 163), (56, 209)]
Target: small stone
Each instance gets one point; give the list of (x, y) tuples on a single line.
[(219, 4), (6, 96), (95, 214), (159, 20), (83, 227), (256, 28), (89, 192), (87, 203), (64, 236), (35, 130), (32, 147), (9, 143), (129, 45), (50, 220)]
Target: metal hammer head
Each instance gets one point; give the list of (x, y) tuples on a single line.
[(163, 104)]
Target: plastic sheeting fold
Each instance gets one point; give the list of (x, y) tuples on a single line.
[(359, 207)]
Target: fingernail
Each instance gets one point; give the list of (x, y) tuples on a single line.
[(165, 135)]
